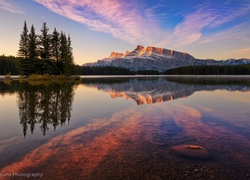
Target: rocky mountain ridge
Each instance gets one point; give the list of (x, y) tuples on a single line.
[(159, 59)]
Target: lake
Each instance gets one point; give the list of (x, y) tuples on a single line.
[(125, 128)]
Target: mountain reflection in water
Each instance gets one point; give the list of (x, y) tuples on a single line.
[(156, 90), (51, 104), (131, 141)]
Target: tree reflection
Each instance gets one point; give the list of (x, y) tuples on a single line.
[(45, 105)]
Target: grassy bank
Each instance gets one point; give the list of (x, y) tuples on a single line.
[(39, 79)]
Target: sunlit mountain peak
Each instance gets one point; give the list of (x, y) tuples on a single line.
[(139, 47), (116, 55), (159, 59)]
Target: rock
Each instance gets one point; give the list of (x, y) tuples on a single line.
[(191, 151)]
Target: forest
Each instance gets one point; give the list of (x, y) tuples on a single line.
[(9, 65), (105, 70), (210, 70)]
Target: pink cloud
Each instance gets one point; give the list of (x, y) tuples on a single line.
[(118, 18), (189, 30), (7, 6), (132, 24)]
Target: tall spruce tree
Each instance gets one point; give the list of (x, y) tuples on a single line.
[(68, 65), (55, 43), (44, 42), (23, 44), (70, 50), (63, 53), (63, 47), (32, 44)]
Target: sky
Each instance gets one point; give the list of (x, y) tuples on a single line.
[(211, 29)]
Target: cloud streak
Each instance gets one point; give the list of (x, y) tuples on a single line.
[(118, 18), (240, 32), (7, 6), (127, 21), (190, 30), (243, 52)]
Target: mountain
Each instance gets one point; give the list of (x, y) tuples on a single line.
[(159, 59)]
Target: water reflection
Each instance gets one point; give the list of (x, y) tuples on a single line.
[(9, 88), (44, 105), (156, 90), (132, 142)]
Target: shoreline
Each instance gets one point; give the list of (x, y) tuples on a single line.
[(184, 76), (16, 77)]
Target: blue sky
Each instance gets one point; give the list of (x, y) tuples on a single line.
[(218, 29)]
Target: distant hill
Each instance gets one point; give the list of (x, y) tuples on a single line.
[(158, 59)]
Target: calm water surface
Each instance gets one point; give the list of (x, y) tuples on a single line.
[(124, 128)]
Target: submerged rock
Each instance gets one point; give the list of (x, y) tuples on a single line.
[(191, 151)]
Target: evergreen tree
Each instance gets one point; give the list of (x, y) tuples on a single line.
[(44, 43), (63, 52), (70, 50), (55, 43), (69, 61), (63, 47), (23, 44), (32, 44)]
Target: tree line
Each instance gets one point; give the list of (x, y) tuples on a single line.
[(210, 70), (12, 65), (105, 70), (9, 64), (45, 53)]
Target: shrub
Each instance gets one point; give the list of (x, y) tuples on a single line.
[(7, 76), (35, 77)]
